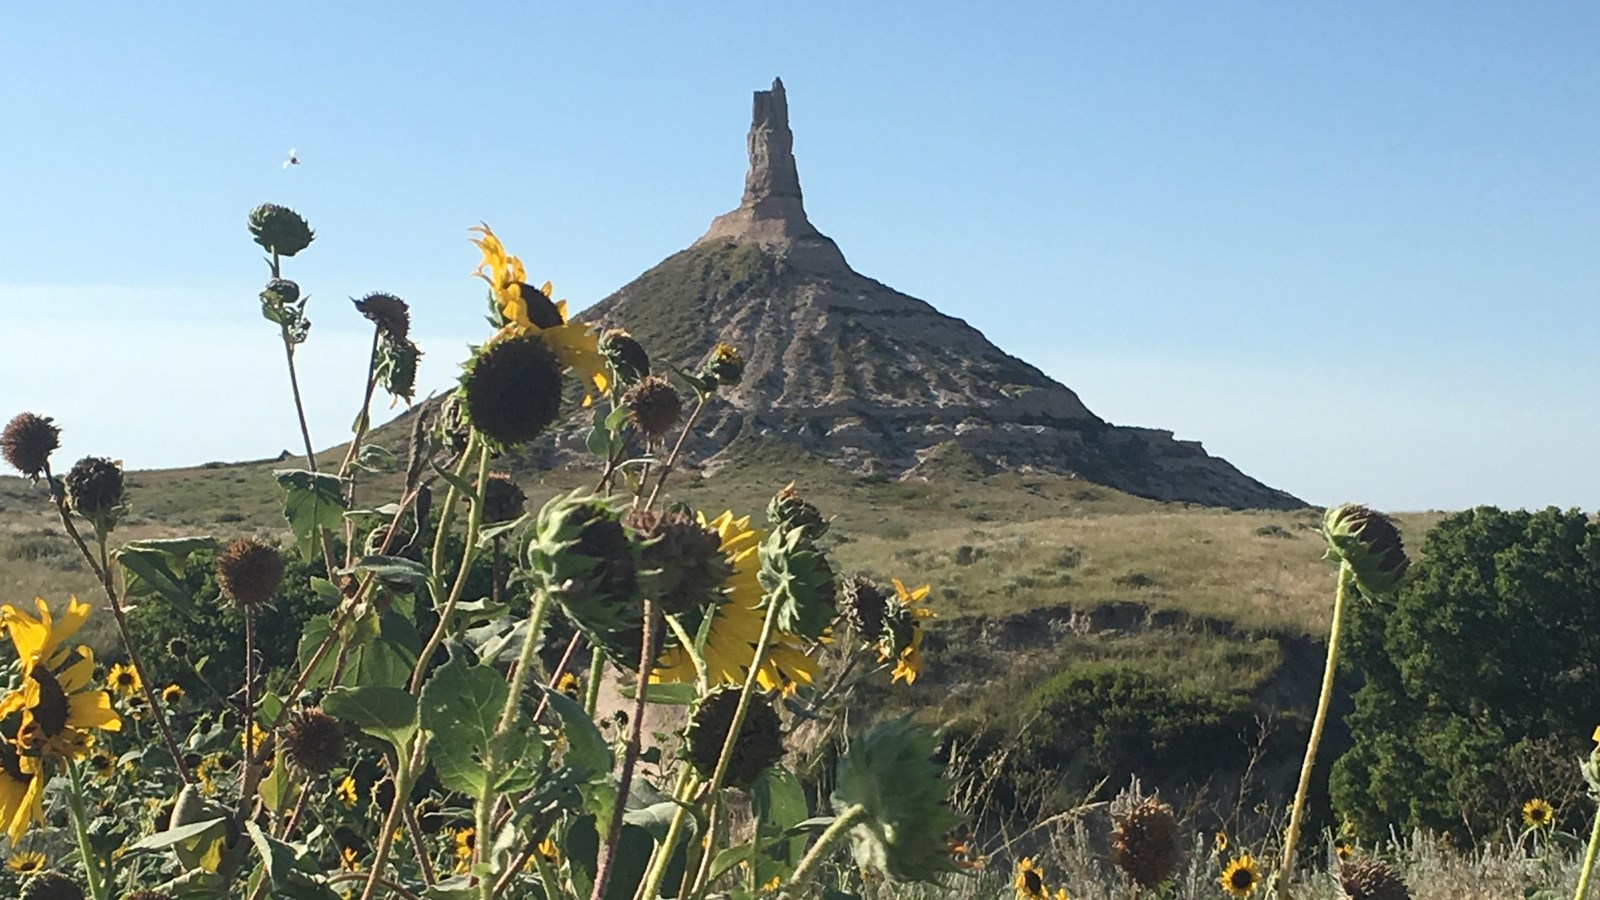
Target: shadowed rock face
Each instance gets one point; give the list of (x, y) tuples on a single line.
[(851, 369)]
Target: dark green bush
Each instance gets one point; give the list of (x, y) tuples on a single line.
[(1492, 648)]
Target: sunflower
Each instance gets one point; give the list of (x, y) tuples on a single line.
[(902, 632), (1242, 876), (124, 680), (465, 840), (172, 694), (736, 627), (527, 309), (103, 764), (1343, 850), (55, 700), (1537, 813), (21, 792), (346, 792), (1030, 882), (26, 863)]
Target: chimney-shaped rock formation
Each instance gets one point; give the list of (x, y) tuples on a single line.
[(772, 212)]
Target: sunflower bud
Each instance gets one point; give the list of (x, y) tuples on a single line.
[(864, 606), (389, 313), (512, 390), (687, 558), (28, 441), (1370, 544), (788, 510), (580, 553), (626, 356), (281, 292), (889, 772), (760, 741), (249, 573), (725, 367), (314, 741), (51, 886), (280, 229), (503, 500), (653, 405), (94, 486), (1144, 843), (1371, 879), (798, 577)]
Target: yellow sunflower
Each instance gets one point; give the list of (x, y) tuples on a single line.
[(26, 863), (465, 841), (21, 792), (346, 792), (172, 694), (1242, 876), (57, 705), (902, 640), (125, 680), (1030, 881), (736, 629), (1536, 813), (526, 309)]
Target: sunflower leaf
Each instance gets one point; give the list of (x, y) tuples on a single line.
[(386, 713), (460, 707), (312, 500)]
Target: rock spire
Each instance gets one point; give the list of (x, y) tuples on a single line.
[(772, 212)]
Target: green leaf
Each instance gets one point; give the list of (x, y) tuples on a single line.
[(275, 787), (454, 480), (396, 569), (276, 856), (164, 839), (312, 500), (778, 803), (600, 439), (669, 693), (374, 458), (729, 858), (150, 568), (386, 713), (585, 745), (460, 707)]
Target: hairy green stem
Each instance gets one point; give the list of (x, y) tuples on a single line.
[(819, 851), (666, 467), (650, 887), (80, 826), (468, 553), (403, 782), (1587, 871), (630, 755), (1297, 812), (591, 693)]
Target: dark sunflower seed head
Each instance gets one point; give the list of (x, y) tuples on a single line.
[(28, 441), (249, 573), (94, 486)]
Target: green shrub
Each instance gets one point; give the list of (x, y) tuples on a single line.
[(1495, 642)]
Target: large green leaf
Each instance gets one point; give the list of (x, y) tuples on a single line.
[(586, 747), (312, 500), (386, 713), (778, 803), (461, 704), (382, 650), (149, 568)]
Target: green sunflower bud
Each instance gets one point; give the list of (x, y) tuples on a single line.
[(797, 576), (760, 742), (28, 441), (890, 775), (281, 291), (788, 510), (725, 367), (626, 356), (1370, 544), (280, 229), (512, 390), (579, 552)]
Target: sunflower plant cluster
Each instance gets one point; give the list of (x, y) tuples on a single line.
[(439, 739)]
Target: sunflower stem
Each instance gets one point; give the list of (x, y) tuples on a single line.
[(819, 851), (1297, 812), (80, 826), (650, 886), (403, 782), (525, 661), (475, 449), (1587, 870), (591, 693), (630, 755)]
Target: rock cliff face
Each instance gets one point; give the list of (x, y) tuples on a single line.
[(868, 377)]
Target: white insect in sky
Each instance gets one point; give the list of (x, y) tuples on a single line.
[(294, 158)]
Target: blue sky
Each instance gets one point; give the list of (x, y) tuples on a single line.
[(1350, 247)]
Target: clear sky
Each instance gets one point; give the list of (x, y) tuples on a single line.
[(1354, 248)]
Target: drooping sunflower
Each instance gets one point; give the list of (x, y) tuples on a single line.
[(1242, 876), (1030, 883), (1537, 813), (736, 625), (902, 632), (525, 309), (57, 704)]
